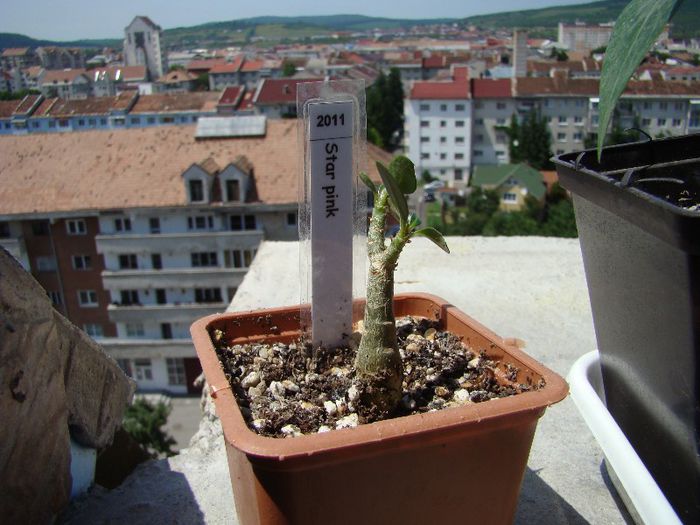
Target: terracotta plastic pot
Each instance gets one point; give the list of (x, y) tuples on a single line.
[(457, 465)]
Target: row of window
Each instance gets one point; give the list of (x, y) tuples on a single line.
[(142, 370), (443, 123), (102, 122), (443, 140), (232, 259), (443, 107), (443, 156), (232, 187)]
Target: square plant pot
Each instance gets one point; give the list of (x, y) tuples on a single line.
[(641, 254), (457, 464)]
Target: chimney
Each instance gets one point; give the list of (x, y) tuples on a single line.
[(519, 54)]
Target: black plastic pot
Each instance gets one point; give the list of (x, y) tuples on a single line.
[(641, 253)]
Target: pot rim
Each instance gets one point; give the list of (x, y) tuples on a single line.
[(439, 425)]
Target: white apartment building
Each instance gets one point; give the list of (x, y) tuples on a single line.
[(142, 47), (493, 108), (582, 37), (438, 128)]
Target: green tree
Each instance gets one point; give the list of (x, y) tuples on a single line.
[(144, 422), (176, 67), (510, 223), (426, 177), (559, 54), (560, 220), (288, 69), (530, 140), (201, 83), (385, 110)]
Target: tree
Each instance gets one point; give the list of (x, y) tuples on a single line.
[(144, 422), (510, 223), (560, 220), (201, 83), (530, 141), (176, 67), (559, 54), (385, 110), (288, 69)]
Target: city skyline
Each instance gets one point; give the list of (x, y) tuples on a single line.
[(78, 19)]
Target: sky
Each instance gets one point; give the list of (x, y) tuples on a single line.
[(76, 19)]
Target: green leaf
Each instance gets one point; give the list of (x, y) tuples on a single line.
[(396, 196), (368, 182), (636, 29), (413, 221), (404, 172), (433, 235)]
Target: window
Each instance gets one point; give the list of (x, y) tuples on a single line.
[(128, 261), (660, 122), (561, 137), (646, 122), (243, 222), (500, 105), (156, 261), (478, 105), (443, 123), (459, 156), (443, 156), (500, 138), (562, 119), (459, 123), (93, 330), (92, 122), (52, 124), (200, 222), (478, 138), (443, 107), (425, 107), (35, 124), (479, 121), (424, 124), (200, 259), (459, 140), (291, 219), (4, 230), (129, 297), (176, 371), (161, 296), (56, 297), (663, 105), (509, 197), (87, 298), (82, 262), (425, 156), (238, 258), (578, 136), (151, 120), (459, 174), (45, 263), (125, 365), (500, 122), (154, 225), (122, 224), (443, 140), (459, 107), (678, 106), (135, 330), (578, 119), (166, 331), (500, 154), (478, 153), (196, 191), (233, 190), (676, 122), (646, 105), (143, 369), (76, 227), (424, 139), (207, 295)]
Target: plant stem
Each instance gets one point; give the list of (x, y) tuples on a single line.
[(378, 362)]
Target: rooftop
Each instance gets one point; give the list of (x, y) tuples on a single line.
[(160, 102), (139, 167), (452, 90), (491, 88), (279, 90)]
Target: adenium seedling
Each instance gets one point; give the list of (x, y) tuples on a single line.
[(378, 362)]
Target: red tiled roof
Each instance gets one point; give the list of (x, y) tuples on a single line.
[(279, 90), (45, 107), (7, 107), (204, 64), (176, 76), (440, 90), (62, 75), (15, 51), (231, 95), (247, 101), (93, 170), (252, 65), (227, 66), (491, 88), (434, 62), (27, 103), (164, 102), (563, 85)]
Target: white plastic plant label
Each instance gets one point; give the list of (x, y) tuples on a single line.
[(331, 163)]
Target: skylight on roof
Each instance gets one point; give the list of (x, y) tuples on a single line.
[(220, 127)]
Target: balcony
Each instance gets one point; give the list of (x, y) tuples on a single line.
[(125, 348), (178, 242), (163, 313), (210, 277)]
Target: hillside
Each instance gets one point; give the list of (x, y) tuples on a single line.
[(686, 21), (17, 40)]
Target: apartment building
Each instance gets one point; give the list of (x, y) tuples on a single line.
[(138, 232), (582, 37), (66, 83), (493, 107), (438, 128)]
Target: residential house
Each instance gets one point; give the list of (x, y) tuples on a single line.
[(230, 99), (52, 57), (136, 233), (513, 183), (172, 108), (277, 98), (583, 37), (222, 73), (66, 83), (111, 80), (176, 81), (18, 58)]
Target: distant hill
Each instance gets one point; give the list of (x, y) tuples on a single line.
[(17, 40), (273, 29), (686, 21)]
